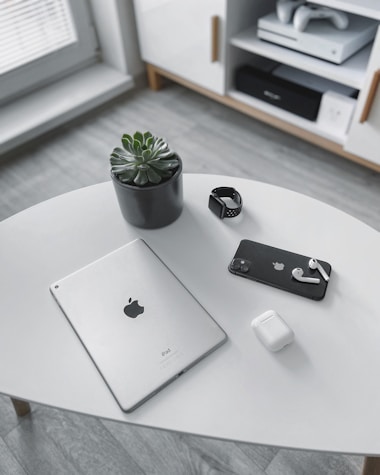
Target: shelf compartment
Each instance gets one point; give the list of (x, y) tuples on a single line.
[(288, 117), (350, 73)]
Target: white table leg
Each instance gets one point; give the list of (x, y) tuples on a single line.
[(22, 408)]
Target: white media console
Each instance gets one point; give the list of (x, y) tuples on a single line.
[(201, 43)]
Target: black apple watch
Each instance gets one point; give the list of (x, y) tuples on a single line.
[(219, 207)]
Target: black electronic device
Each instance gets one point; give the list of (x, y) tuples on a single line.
[(282, 269), (280, 92)]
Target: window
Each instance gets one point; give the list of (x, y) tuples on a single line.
[(41, 40)]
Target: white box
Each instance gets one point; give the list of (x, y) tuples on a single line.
[(272, 330), (335, 112)]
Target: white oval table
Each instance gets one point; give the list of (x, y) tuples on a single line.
[(322, 392)]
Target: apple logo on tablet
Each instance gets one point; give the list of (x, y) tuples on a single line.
[(278, 265), (133, 309)]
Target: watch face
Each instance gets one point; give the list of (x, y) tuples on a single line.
[(216, 206)]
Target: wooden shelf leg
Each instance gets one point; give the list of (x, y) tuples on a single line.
[(371, 466), (154, 78), (22, 408)]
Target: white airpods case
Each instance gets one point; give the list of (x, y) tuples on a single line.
[(272, 330)]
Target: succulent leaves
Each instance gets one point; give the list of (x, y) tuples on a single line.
[(143, 160)]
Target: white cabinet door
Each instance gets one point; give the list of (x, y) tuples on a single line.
[(181, 36), (364, 134)]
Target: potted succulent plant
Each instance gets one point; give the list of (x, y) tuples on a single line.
[(147, 176)]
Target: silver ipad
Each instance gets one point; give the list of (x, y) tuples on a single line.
[(140, 325)]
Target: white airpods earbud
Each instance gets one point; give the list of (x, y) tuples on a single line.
[(314, 264), (297, 273)]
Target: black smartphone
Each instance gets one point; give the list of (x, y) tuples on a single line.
[(273, 266)]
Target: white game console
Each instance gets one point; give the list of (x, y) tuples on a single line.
[(321, 38)]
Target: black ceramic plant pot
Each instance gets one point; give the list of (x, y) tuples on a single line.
[(152, 206)]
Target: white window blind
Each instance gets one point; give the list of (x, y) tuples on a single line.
[(30, 29), (41, 39)]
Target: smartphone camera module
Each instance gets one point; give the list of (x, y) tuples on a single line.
[(242, 265)]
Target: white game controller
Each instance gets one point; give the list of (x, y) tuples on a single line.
[(305, 13), (286, 8)]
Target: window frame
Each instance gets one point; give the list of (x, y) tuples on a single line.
[(58, 64), (49, 107)]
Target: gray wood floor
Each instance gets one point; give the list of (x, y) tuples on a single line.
[(211, 139)]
